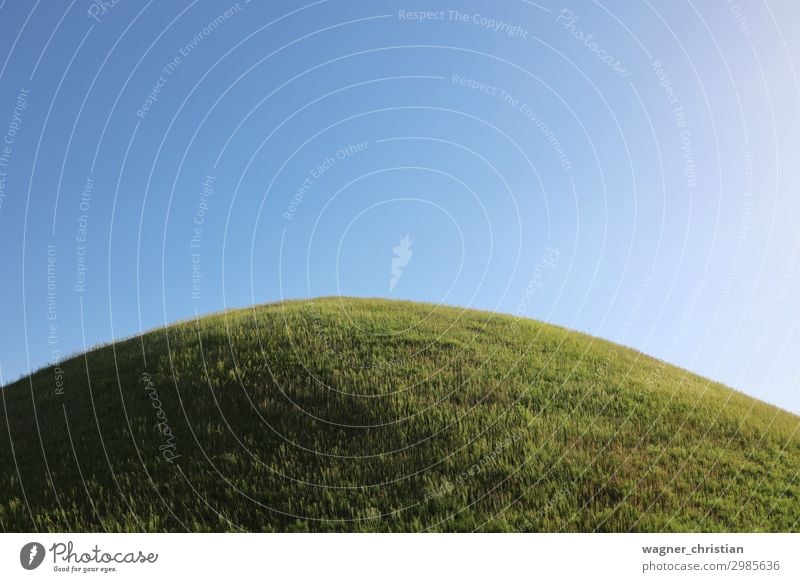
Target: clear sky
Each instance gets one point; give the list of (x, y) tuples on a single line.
[(628, 169)]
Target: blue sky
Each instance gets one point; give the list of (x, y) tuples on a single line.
[(628, 170)]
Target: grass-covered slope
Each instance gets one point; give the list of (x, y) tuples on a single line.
[(366, 415)]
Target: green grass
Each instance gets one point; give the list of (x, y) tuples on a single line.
[(370, 415)]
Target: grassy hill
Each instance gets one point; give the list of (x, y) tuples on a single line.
[(367, 415)]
